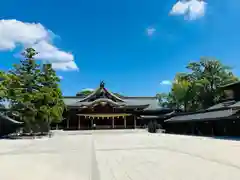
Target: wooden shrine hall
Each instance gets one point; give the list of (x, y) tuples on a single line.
[(222, 119), (103, 109)]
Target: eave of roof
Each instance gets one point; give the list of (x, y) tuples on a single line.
[(150, 117), (123, 97), (101, 100), (208, 115), (224, 104), (230, 85), (105, 90), (148, 103), (9, 119), (141, 106), (162, 116), (133, 107)]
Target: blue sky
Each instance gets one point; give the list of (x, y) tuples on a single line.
[(132, 45)]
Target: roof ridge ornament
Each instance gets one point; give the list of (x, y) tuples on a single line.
[(102, 84)]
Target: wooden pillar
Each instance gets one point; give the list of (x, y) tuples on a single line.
[(91, 123), (67, 123), (79, 123), (134, 121), (192, 129), (125, 122), (113, 122)]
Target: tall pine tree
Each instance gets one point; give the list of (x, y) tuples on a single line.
[(22, 88), (34, 93), (50, 105)]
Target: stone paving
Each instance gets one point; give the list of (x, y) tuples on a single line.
[(119, 155)]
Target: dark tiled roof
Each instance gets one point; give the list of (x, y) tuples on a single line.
[(8, 119), (167, 115), (231, 85), (129, 101), (225, 104), (150, 117), (235, 105), (102, 94), (210, 115), (217, 106)]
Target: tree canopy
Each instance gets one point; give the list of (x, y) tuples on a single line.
[(34, 96), (84, 92), (200, 87), (33, 93)]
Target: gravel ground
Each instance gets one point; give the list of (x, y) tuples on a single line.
[(119, 155)]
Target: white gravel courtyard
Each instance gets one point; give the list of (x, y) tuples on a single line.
[(119, 155)]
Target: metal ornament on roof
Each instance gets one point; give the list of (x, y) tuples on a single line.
[(102, 84)]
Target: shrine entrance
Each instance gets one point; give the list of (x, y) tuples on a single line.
[(106, 121), (103, 109)]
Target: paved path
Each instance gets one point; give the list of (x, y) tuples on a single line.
[(119, 155)]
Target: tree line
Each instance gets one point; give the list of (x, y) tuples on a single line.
[(199, 87), (196, 89), (34, 97), (32, 94)]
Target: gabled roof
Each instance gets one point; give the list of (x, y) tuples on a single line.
[(101, 94), (150, 103)]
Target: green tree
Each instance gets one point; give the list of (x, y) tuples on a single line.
[(200, 88), (163, 99), (209, 75), (181, 90), (3, 89), (22, 88), (49, 102), (84, 93), (34, 94)]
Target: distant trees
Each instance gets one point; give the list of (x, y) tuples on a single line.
[(2, 87), (35, 98), (84, 93), (199, 88), (33, 93)]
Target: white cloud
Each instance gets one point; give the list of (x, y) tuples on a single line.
[(49, 51), (166, 82), (14, 33), (150, 31), (60, 77), (191, 9), (65, 66)]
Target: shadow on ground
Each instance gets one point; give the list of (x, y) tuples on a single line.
[(232, 138)]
